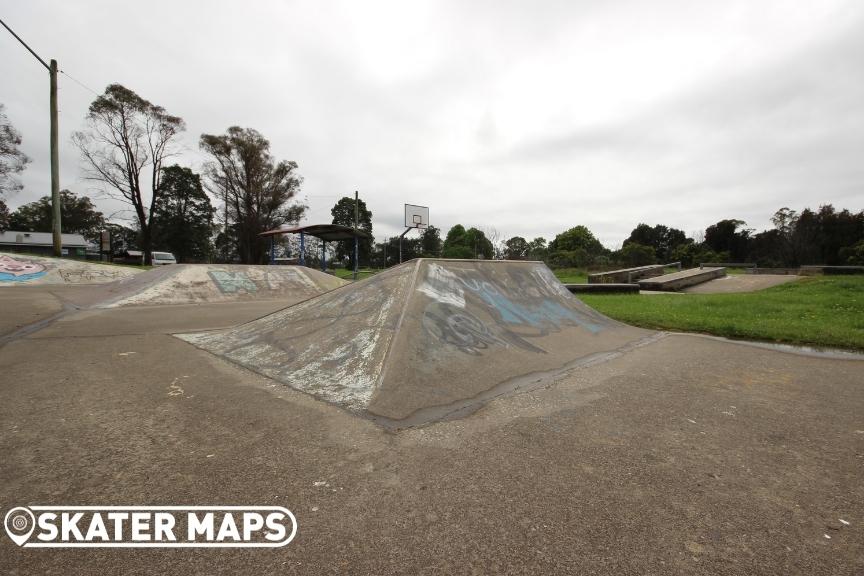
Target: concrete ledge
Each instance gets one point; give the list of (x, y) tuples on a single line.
[(683, 279), (603, 288)]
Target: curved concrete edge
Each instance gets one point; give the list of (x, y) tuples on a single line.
[(209, 283), (30, 270), (797, 350)]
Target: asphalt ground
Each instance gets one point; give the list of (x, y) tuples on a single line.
[(684, 456)]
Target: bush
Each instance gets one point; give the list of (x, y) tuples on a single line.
[(633, 254), (692, 254), (853, 255), (578, 258)]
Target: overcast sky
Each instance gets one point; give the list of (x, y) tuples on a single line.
[(526, 117)]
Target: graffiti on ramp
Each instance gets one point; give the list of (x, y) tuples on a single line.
[(19, 270), (422, 335)]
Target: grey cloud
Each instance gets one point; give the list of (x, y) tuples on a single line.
[(413, 106), (789, 133)]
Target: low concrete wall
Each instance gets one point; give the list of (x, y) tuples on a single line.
[(774, 271), (626, 275), (603, 288), (809, 270), (727, 265), (831, 270), (683, 279)]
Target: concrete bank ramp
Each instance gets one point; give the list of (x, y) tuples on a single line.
[(680, 280), (425, 339), (737, 283), (23, 269), (209, 283)]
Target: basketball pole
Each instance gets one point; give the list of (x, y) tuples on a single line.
[(356, 226), (400, 241)]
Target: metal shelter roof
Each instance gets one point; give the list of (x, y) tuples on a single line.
[(40, 239), (326, 232)]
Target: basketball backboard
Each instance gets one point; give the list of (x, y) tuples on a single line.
[(416, 216)]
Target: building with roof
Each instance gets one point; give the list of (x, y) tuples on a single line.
[(42, 243)]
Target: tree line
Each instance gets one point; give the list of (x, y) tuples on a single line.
[(823, 236), (126, 146), (127, 143)]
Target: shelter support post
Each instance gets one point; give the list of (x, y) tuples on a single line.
[(302, 249)]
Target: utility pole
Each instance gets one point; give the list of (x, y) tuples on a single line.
[(55, 155), (356, 227), (55, 163)]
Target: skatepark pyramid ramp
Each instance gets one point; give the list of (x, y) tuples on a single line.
[(423, 339)]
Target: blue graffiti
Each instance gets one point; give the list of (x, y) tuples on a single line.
[(548, 312), (4, 277), (231, 282)]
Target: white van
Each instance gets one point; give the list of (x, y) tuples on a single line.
[(162, 258)]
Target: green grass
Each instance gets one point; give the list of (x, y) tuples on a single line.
[(818, 311), (122, 265), (571, 275), (736, 271), (362, 273)]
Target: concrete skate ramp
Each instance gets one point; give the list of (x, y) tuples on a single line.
[(208, 283), (680, 280), (425, 339), (24, 269)]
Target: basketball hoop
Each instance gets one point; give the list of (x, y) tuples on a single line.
[(416, 217)]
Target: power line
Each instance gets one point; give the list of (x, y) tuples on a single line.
[(43, 61), (25, 44), (54, 145), (79, 82)]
